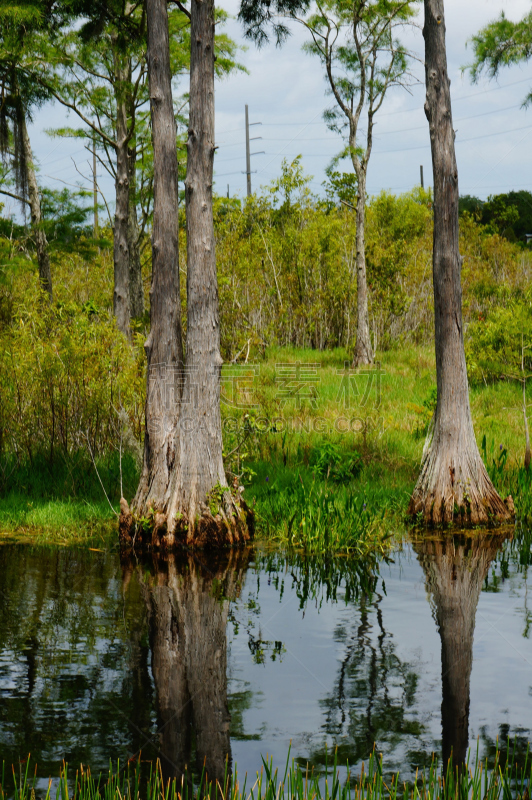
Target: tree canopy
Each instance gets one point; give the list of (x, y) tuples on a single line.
[(502, 43)]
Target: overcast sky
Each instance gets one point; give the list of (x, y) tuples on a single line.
[(286, 91)]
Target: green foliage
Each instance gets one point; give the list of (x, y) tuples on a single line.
[(500, 216), (332, 464), (318, 517), (22, 24), (340, 187), (215, 498), (65, 222), (356, 43), (286, 267), (497, 346), (395, 228), (508, 214), (500, 44), (72, 386), (470, 204), (509, 479), (65, 375), (495, 464), (425, 412), (107, 56)]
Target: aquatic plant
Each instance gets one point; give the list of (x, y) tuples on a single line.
[(319, 517), (507, 776)]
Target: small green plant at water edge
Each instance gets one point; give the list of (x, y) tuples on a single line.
[(320, 517), (496, 463), (215, 498)]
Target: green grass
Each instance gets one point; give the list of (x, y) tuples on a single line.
[(503, 779), (382, 424), (62, 501), (330, 471), (298, 509), (61, 521)]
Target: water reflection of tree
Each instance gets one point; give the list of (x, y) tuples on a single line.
[(455, 569), (510, 744), (374, 691), (187, 600), (320, 578), (66, 663)]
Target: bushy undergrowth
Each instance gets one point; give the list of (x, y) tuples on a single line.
[(286, 265), (72, 387), (64, 501), (503, 779)]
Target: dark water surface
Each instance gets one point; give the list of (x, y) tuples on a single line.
[(192, 659)]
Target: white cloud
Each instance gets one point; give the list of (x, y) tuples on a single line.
[(286, 91)]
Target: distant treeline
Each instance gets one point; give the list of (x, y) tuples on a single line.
[(508, 214)]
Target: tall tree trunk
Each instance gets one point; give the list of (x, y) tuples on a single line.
[(164, 348), (363, 350), (121, 298), (453, 485), (136, 288), (183, 488), (201, 431), (41, 244), (455, 569)]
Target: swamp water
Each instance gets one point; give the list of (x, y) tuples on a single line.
[(253, 653)]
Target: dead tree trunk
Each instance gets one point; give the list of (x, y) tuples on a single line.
[(363, 349), (121, 299), (455, 569), (453, 485), (183, 492), (41, 244)]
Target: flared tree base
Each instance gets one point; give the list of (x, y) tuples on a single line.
[(232, 524), (363, 355), (457, 491)]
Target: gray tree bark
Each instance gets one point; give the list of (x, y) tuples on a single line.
[(121, 298), (41, 243), (163, 346), (136, 288), (201, 427), (363, 350), (453, 485), (455, 569), (183, 492)]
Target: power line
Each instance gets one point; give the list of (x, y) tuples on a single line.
[(406, 110), (404, 130), (403, 149)]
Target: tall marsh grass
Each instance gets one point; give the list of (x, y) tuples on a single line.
[(507, 778)]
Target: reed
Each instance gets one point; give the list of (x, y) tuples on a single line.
[(507, 777)]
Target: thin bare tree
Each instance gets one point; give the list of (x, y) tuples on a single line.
[(356, 42)]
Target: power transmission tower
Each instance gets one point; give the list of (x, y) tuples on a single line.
[(248, 154)]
